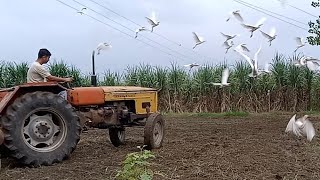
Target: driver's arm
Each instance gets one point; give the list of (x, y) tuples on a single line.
[(46, 74), (55, 78)]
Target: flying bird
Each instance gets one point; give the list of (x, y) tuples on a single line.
[(81, 12), (224, 79), (198, 39), (191, 65), (253, 28), (271, 36), (301, 127), (300, 43), (152, 20), (139, 30), (252, 62), (235, 14), (103, 46), (229, 37), (311, 63), (228, 45)]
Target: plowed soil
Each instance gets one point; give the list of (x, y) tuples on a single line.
[(252, 147)]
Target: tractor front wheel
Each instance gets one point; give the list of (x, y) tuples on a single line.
[(41, 128), (117, 136), (154, 131)]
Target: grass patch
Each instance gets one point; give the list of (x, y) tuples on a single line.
[(311, 112)]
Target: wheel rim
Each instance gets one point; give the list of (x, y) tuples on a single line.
[(44, 130), (157, 133), (121, 135)]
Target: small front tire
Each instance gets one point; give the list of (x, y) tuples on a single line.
[(154, 131), (117, 136)]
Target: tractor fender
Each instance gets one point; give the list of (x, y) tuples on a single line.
[(8, 95)]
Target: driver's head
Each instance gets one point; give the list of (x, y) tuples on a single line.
[(44, 55)]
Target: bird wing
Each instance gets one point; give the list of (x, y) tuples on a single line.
[(195, 64), (308, 130), (201, 38), (153, 16), (244, 47), (103, 46), (195, 37), (151, 21), (260, 21), (314, 60), (225, 35), (247, 26), (246, 57), (291, 123), (311, 66), (100, 45), (265, 35), (299, 41), (238, 16), (293, 126), (225, 76), (272, 32), (226, 44), (255, 58)]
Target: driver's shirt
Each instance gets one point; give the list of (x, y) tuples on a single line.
[(37, 73)]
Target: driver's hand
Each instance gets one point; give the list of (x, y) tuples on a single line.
[(68, 79)]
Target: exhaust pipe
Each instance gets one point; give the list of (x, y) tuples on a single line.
[(1, 137)]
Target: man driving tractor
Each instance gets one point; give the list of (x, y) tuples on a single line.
[(37, 72)]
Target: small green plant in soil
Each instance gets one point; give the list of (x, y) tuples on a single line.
[(136, 166)]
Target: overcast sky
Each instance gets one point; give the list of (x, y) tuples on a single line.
[(26, 26)]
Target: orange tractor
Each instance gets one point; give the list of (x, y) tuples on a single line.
[(40, 127)]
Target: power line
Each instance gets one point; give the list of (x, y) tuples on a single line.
[(246, 4), (132, 21), (130, 29), (274, 13), (303, 11), (117, 29), (178, 44)]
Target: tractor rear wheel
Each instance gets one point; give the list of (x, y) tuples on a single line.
[(154, 131), (41, 128), (117, 136)]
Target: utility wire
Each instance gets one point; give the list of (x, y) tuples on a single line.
[(117, 29), (303, 11), (176, 43), (131, 21), (130, 29), (303, 23), (246, 4)]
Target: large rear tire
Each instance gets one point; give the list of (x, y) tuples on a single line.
[(154, 131), (41, 128)]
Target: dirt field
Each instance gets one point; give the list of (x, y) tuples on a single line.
[(252, 147)]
